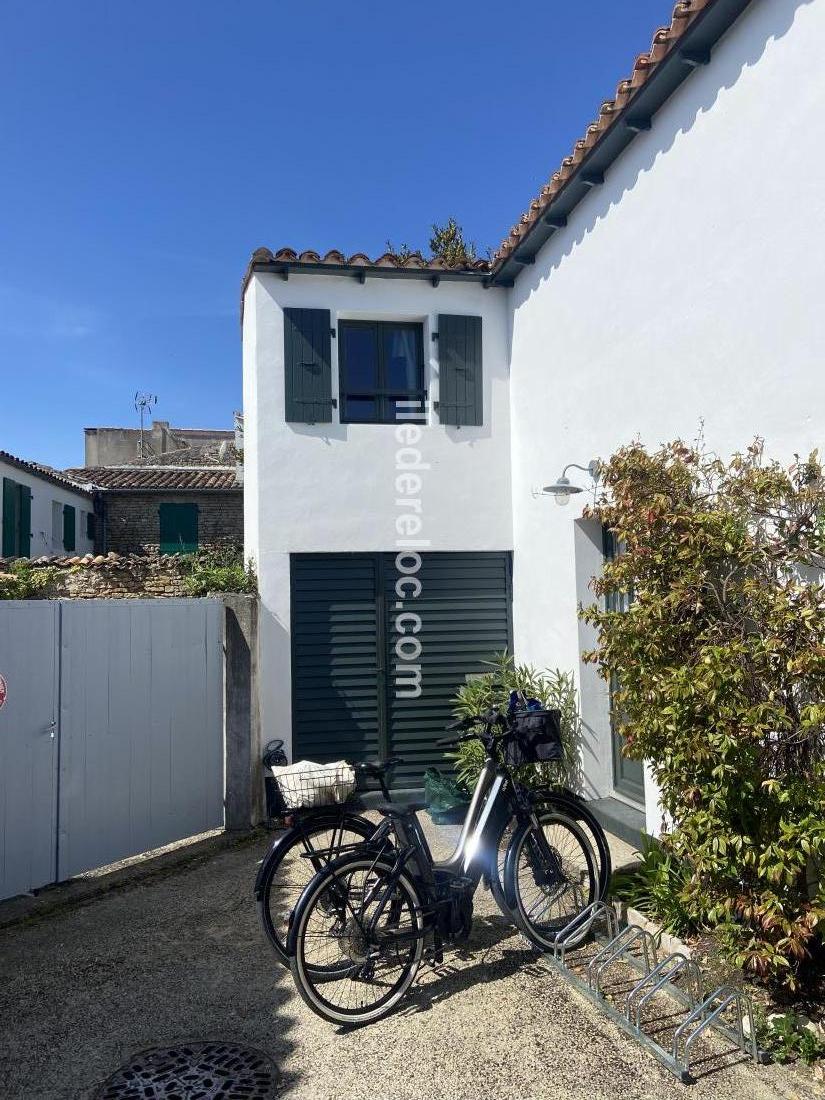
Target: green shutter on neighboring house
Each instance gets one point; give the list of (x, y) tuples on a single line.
[(307, 366), (90, 526), (69, 527), (461, 382), (24, 540), (178, 528), (11, 503), (17, 519)]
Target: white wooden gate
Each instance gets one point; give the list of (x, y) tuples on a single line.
[(111, 735)]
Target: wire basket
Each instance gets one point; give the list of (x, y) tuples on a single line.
[(307, 785)]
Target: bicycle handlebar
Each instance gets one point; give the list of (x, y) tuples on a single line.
[(488, 720)]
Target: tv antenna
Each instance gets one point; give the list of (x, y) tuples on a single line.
[(143, 402)]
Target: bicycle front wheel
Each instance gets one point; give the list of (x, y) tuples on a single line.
[(550, 877), (289, 865), (357, 940)]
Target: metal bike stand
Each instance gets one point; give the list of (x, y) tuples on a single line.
[(674, 976)]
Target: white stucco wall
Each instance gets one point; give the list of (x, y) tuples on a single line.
[(331, 487), (43, 494), (685, 290)]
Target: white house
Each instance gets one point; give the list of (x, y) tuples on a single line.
[(665, 278), (43, 513)]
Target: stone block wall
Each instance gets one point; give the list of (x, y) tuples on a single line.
[(111, 576)]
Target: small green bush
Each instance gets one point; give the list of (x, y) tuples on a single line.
[(656, 888), (788, 1038), (220, 570), (556, 689), (23, 581)]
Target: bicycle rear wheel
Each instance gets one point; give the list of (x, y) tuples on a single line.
[(292, 861), (550, 877), (357, 940)]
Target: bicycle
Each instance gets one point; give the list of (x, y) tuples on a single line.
[(314, 836), (359, 930)]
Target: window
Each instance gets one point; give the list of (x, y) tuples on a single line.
[(381, 364), (178, 528)]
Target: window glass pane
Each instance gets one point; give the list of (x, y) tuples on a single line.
[(360, 409), (400, 358), (360, 357)]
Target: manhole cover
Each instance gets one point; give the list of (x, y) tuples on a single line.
[(193, 1071)]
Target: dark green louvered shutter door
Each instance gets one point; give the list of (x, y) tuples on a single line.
[(337, 682), (10, 517), (307, 366), (357, 690), (464, 607), (24, 545), (461, 382)]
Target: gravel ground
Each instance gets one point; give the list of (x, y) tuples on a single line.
[(179, 955)]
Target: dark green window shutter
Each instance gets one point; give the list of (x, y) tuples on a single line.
[(307, 366), (461, 383), (11, 517), (178, 528), (24, 543), (69, 527), (90, 526)]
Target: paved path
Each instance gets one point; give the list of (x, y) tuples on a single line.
[(180, 956)]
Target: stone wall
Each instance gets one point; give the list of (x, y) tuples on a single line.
[(111, 576), (131, 524)]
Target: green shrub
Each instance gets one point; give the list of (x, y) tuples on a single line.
[(720, 667), (23, 581), (220, 570), (656, 888), (789, 1037), (554, 688)]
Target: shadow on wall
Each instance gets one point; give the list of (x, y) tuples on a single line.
[(742, 48)]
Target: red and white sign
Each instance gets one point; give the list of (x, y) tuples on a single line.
[(3, 692)]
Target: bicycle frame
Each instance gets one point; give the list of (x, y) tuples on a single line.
[(495, 801)]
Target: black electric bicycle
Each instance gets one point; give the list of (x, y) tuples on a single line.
[(317, 835), (361, 926)]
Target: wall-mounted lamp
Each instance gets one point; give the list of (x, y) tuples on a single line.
[(563, 489)]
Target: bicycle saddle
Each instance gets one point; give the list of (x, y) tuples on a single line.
[(398, 809)]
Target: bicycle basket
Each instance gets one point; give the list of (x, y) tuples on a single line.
[(306, 785), (534, 737)]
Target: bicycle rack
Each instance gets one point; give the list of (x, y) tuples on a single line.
[(675, 976)]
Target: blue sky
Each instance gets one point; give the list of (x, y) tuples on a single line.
[(149, 147)]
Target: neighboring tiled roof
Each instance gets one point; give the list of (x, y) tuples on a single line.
[(664, 41), (158, 478), (56, 477)]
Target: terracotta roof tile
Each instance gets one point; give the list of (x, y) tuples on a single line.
[(56, 477), (158, 478), (663, 43)]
